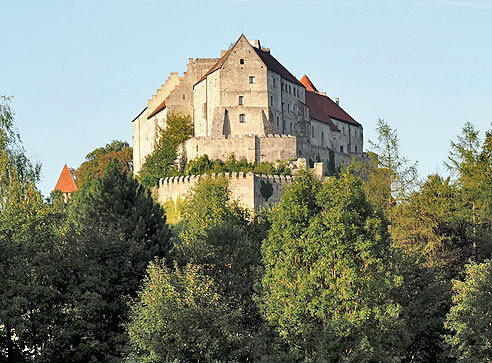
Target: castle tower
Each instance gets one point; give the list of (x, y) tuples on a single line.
[(66, 184)]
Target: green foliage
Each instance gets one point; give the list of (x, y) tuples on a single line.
[(173, 210), (217, 247), (118, 231), (433, 223), (424, 297), (31, 277), (181, 316), (118, 202), (391, 177), (329, 276), (161, 162), (469, 319), (472, 167), (97, 160), (203, 165), (18, 175)]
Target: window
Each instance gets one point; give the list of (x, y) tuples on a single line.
[(242, 118), (241, 61), (290, 90), (251, 79), (274, 83), (271, 100), (241, 100), (356, 149), (291, 128), (341, 148), (184, 97), (278, 121), (312, 131)]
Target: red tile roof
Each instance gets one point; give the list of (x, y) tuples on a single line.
[(65, 183), (322, 108), (308, 84)]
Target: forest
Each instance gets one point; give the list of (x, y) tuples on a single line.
[(372, 264)]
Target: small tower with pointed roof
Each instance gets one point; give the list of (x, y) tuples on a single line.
[(66, 184)]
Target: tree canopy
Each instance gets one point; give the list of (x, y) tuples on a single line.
[(161, 162), (329, 275), (97, 160)]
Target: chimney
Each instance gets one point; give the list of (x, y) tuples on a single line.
[(255, 43), (337, 100)]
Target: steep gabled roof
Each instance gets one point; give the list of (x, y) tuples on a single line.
[(274, 65), (308, 84), (220, 62), (270, 62), (322, 108), (65, 183)]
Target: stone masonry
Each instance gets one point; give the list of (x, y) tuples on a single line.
[(248, 104)]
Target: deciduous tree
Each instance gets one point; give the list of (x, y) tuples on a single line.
[(329, 276)]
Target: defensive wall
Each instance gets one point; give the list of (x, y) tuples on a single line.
[(252, 191), (255, 149)]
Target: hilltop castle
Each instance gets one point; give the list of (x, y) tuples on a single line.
[(247, 103)]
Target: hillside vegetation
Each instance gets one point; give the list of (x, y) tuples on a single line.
[(373, 265)]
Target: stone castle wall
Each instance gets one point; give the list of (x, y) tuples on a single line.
[(252, 191), (271, 148), (256, 149)]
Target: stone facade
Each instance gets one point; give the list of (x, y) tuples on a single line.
[(248, 104), (252, 191)]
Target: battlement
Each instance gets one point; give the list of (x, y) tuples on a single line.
[(192, 179), (252, 191)]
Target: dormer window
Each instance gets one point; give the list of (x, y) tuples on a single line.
[(241, 61), (251, 79), (241, 100), (242, 118)]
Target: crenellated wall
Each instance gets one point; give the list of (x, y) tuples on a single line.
[(252, 191)]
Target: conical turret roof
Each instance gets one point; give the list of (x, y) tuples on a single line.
[(65, 183)]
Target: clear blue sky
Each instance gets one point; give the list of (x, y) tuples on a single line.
[(80, 71)]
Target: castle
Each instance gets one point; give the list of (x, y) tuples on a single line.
[(248, 104)]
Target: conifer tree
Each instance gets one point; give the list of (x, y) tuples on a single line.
[(118, 202)]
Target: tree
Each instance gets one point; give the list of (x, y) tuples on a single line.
[(161, 162), (218, 245), (391, 177), (433, 223), (119, 202), (18, 175), (470, 320), (181, 316), (97, 160), (471, 165), (329, 276), (117, 231)]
